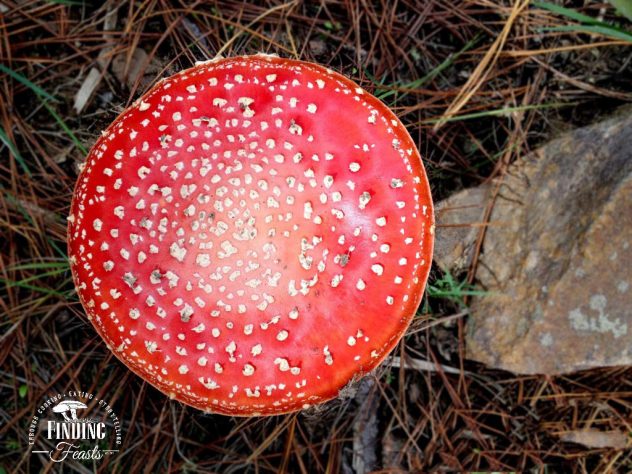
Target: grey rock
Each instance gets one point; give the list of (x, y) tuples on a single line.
[(557, 256), (459, 219)]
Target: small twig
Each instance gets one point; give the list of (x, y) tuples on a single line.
[(421, 365), (241, 31)]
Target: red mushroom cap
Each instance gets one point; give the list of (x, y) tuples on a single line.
[(252, 234)]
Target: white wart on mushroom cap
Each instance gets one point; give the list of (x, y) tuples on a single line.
[(252, 234)]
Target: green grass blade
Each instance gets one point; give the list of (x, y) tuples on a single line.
[(9, 197), (567, 12), (594, 29), (590, 25), (58, 271), (14, 151), (62, 253), (456, 293), (44, 97), (39, 289), (446, 63), (63, 125), (23, 80), (495, 113), (40, 265)]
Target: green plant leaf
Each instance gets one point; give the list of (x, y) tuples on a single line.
[(447, 287), (14, 151)]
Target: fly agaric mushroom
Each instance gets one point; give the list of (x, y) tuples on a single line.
[(252, 234)]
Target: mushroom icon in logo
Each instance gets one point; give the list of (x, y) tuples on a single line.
[(69, 406)]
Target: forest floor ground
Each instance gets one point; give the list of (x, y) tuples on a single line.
[(478, 83)]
